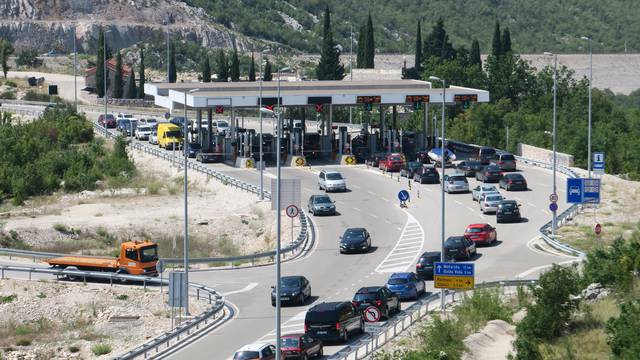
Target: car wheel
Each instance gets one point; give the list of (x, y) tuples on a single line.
[(345, 335), (415, 298), (321, 351), (399, 307), (304, 357)]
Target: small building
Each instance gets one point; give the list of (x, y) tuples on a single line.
[(90, 75)]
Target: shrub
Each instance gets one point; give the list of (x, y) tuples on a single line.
[(122, 297), (23, 342), (442, 337), (61, 228), (482, 306), (28, 57), (9, 95), (624, 338), (74, 348), (101, 349), (615, 265), (33, 95), (11, 83), (8, 298)]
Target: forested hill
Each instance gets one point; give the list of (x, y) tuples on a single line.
[(536, 26)]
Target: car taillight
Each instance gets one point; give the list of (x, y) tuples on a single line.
[(501, 173), (418, 266), (510, 182), (355, 303), (378, 302), (500, 162), (487, 174), (337, 326), (306, 327)]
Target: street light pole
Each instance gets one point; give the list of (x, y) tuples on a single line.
[(260, 112), (351, 67), (75, 66), (443, 149), (104, 79), (590, 87), (554, 223)]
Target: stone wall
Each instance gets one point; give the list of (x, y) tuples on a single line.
[(545, 155)]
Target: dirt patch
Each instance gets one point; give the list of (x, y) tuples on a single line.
[(61, 320), (491, 343)]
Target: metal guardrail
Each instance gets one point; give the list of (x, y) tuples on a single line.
[(371, 342), (16, 109), (163, 342)]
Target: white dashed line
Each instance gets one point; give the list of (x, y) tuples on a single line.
[(457, 202), (533, 205), (373, 216), (356, 209), (470, 209)]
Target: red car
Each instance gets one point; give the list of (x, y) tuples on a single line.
[(109, 122), (300, 346), (481, 233), (393, 162)]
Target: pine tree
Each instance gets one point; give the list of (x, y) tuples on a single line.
[(506, 41), (173, 76), (132, 91), (370, 46), (496, 43), (235, 66), (268, 73), (475, 53), (418, 60), (361, 47), (141, 75), (222, 67), (252, 69), (206, 69), (6, 49), (100, 65), (116, 93), (329, 67)]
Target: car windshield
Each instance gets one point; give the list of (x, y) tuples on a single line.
[(322, 200), (508, 205), (430, 258), (515, 177), (397, 281), (290, 342), (368, 296), (334, 176), (395, 158), (289, 282), (454, 241), (222, 124), (128, 116), (473, 163), (144, 128), (472, 230), (414, 164), (489, 189), (149, 253), (508, 157), (246, 355), (457, 178), (110, 117), (354, 235), (492, 169), (173, 133), (194, 146), (152, 121), (494, 198)]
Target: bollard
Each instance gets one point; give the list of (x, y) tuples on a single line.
[(418, 194), (409, 183), (398, 177)]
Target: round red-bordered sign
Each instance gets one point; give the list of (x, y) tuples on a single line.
[(292, 211), (372, 314), (597, 229)]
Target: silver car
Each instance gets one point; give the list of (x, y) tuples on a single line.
[(456, 183), (479, 190), (331, 181), (490, 203)]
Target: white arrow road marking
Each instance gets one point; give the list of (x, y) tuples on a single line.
[(245, 289), (406, 250)]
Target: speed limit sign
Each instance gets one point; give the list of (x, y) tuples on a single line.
[(292, 211)]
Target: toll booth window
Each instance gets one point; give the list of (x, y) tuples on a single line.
[(131, 254)]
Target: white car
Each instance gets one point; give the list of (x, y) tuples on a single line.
[(479, 190), (220, 126), (256, 351), (153, 137), (125, 116), (331, 181), (456, 183), (143, 132), (490, 203), (152, 122)]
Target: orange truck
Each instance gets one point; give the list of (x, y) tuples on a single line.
[(136, 258)]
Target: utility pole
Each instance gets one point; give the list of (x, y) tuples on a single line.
[(588, 38), (75, 67), (351, 67)]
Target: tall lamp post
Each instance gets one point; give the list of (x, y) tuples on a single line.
[(75, 67), (554, 223), (443, 149), (350, 70), (588, 38), (278, 221), (260, 112), (185, 149), (104, 81)]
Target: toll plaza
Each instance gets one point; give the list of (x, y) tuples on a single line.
[(308, 108)]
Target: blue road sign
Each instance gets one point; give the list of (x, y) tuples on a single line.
[(454, 269), (553, 206), (574, 191), (403, 195), (583, 191), (598, 161)]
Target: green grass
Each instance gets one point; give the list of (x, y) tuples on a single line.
[(101, 349), (122, 297), (23, 342), (8, 298), (61, 228), (74, 349)]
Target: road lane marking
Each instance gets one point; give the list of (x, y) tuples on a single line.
[(371, 193), (356, 209), (385, 199), (373, 216), (470, 209), (406, 249), (533, 205), (457, 202), (355, 186), (245, 289)]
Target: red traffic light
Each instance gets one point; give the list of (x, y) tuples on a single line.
[(219, 109), (269, 107), (319, 108)]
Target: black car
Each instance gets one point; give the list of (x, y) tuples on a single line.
[(459, 247), (293, 290), (333, 321), (381, 297), (490, 173), (207, 156), (508, 210), (426, 263), (423, 157), (513, 181), (375, 159), (469, 167), (355, 240), (193, 149), (410, 168), (321, 205), (428, 174)]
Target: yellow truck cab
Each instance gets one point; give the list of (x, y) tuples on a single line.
[(169, 136)]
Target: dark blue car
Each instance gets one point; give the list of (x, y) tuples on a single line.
[(406, 285)]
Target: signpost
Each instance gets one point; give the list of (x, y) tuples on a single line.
[(581, 191), (598, 162), (372, 314), (597, 229), (454, 275), (553, 207), (292, 211), (178, 292), (403, 196)]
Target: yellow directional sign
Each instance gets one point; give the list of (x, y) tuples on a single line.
[(249, 163), (350, 160), (300, 161), (453, 282)]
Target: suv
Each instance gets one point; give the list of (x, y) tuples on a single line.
[(505, 161), (393, 162), (410, 168), (426, 264), (321, 205), (331, 181), (427, 174), (110, 121), (457, 247), (381, 297), (508, 210), (142, 132), (333, 321), (456, 183), (489, 173), (256, 352)]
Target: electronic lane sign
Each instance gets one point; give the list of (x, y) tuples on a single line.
[(376, 99), (416, 98), (465, 98), (454, 275), (598, 162), (581, 191)]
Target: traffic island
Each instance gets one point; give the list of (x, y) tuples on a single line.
[(245, 162)]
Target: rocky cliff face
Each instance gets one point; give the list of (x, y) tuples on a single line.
[(49, 24)]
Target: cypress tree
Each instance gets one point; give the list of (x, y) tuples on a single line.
[(132, 91), (435, 43), (506, 41), (370, 47), (475, 53), (117, 90), (329, 67), (141, 76), (361, 47), (206, 69), (173, 76), (100, 65), (6, 49), (268, 73), (222, 67), (496, 43), (235, 66), (418, 61), (252, 69)]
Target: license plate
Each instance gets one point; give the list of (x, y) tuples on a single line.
[(284, 298), (321, 332), (507, 212)]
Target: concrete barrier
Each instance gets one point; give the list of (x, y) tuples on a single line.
[(544, 155)]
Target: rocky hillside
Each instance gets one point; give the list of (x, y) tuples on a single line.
[(48, 24)]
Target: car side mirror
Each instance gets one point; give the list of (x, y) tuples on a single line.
[(273, 287), (519, 205)]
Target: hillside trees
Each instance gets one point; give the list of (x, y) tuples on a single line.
[(329, 67)]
